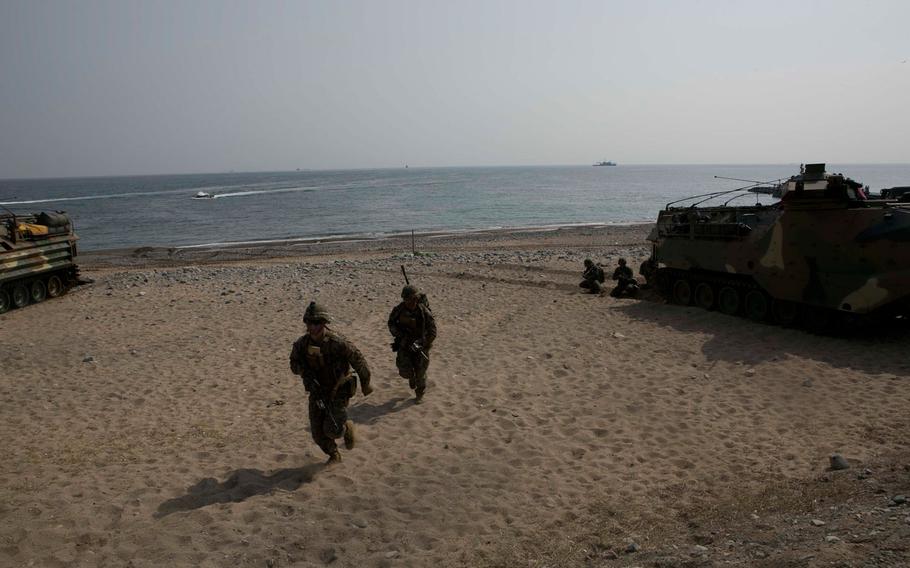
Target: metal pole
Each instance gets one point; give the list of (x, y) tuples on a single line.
[(413, 248)]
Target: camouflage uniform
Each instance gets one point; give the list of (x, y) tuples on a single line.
[(593, 277), (414, 330), (325, 366), (648, 270), (624, 277)]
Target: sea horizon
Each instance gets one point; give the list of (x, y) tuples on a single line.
[(395, 168), (114, 212)]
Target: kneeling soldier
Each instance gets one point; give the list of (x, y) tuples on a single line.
[(625, 280), (324, 359), (593, 277)]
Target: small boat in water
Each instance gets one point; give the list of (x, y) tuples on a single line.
[(204, 195), (605, 164)]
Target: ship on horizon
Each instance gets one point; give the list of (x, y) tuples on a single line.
[(605, 164)]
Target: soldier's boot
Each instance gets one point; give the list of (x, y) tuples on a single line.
[(418, 395), (350, 437), (334, 457)]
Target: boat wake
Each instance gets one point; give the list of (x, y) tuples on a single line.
[(90, 197), (262, 191), (208, 195)]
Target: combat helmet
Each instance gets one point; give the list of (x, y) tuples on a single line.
[(316, 313), (588, 262), (409, 291)]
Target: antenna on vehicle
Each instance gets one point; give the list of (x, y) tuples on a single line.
[(708, 196), (712, 195), (737, 179), (737, 197), (758, 184)]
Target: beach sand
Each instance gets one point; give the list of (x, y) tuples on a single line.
[(150, 418)]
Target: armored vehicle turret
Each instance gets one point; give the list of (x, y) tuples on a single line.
[(825, 253), (37, 255)]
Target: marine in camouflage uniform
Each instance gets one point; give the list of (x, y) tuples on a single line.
[(648, 270), (624, 278), (593, 277), (324, 360), (414, 329)]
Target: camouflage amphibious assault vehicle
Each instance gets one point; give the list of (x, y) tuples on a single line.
[(36, 258), (822, 255)]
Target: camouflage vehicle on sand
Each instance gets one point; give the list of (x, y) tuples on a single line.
[(824, 254), (36, 258), (899, 193)]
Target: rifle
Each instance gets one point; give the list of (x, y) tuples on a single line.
[(417, 348), (321, 404), (395, 346)]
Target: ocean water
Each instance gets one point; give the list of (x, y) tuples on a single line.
[(116, 212)]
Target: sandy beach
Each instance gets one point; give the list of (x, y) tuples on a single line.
[(150, 418)]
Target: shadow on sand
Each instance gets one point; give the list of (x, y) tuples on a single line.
[(878, 349), (369, 413), (239, 486)]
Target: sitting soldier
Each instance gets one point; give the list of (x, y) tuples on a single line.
[(648, 270), (625, 280), (593, 277)]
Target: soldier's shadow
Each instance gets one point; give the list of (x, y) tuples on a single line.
[(240, 485), (369, 413)]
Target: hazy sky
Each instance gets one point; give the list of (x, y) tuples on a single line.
[(121, 87)]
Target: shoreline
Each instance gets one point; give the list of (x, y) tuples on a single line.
[(366, 237), (572, 235)]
